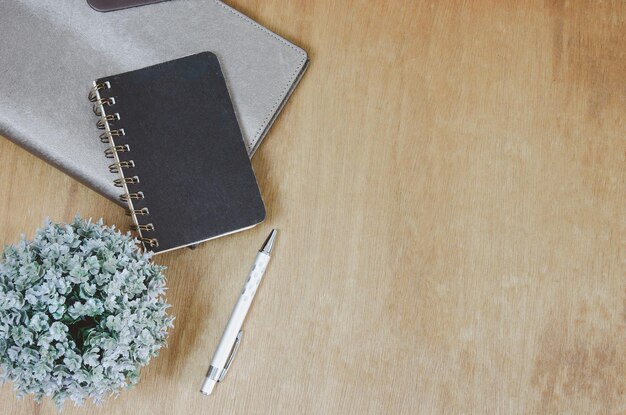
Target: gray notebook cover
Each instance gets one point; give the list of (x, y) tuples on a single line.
[(52, 50)]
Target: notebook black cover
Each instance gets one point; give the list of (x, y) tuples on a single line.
[(187, 149)]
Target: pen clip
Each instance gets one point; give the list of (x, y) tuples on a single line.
[(232, 356)]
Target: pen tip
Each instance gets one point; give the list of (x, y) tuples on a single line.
[(269, 242)]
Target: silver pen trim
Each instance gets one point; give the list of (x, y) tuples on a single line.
[(269, 242)]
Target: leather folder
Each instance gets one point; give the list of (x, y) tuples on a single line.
[(52, 50)]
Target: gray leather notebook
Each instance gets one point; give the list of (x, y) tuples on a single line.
[(50, 50)]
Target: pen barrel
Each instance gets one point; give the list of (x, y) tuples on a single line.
[(240, 311)]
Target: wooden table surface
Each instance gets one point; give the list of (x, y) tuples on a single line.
[(449, 183)]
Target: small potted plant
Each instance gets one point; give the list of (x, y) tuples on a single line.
[(82, 309)]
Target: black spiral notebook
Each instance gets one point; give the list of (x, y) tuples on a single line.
[(175, 143)]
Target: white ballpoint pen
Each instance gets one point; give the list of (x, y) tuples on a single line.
[(231, 338)]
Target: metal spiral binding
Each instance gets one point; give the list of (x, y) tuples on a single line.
[(108, 136), (103, 122), (125, 180), (99, 103), (153, 242), (115, 167), (134, 196), (135, 212), (112, 151), (93, 94), (148, 227)]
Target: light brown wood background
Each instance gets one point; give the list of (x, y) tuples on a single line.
[(449, 184)]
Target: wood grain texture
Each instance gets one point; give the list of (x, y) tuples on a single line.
[(449, 183)]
